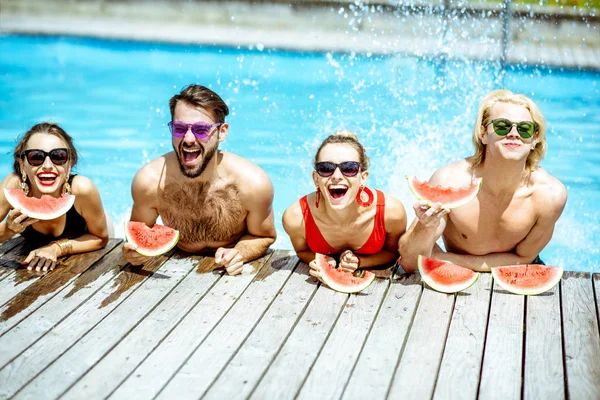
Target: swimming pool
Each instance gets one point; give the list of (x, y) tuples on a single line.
[(413, 116)]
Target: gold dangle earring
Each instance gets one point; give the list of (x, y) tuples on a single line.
[(66, 186), (23, 185)]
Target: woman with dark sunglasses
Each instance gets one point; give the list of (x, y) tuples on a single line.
[(343, 218), (43, 162)]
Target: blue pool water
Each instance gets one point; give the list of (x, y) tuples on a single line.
[(413, 116)]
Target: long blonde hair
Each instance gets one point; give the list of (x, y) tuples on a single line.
[(483, 117)]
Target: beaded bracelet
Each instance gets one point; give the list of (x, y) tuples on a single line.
[(65, 246)]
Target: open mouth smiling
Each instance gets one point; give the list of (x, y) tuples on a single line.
[(337, 191), (190, 155), (47, 178)]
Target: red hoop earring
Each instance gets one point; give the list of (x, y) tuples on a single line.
[(318, 197), (370, 196)]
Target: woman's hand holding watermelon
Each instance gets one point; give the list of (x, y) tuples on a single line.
[(16, 221), (349, 262), (44, 258), (315, 269)]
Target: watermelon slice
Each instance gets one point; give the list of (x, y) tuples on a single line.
[(448, 196), (444, 276), (151, 241), (527, 279), (44, 208), (342, 281)]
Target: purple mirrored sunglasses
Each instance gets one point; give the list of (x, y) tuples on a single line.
[(200, 129)]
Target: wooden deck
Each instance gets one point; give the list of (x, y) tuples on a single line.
[(177, 329)]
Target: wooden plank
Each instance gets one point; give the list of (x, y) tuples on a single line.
[(113, 368), (463, 352), (503, 355), (418, 367), (544, 375), (330, 373), (60, 338), (205, 364), (85, 353), (5, 248), (378, 359), (292, 364), (146, 381), (38, 323), (244, 371), (581, 337), (16, 277), (45, 289)]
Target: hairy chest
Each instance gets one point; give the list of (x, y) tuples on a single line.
[(203, 213)]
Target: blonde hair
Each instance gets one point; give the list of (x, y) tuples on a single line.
[(483, 119), (349, 138)]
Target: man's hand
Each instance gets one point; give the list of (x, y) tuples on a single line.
[(348, 261), (132, 256), (44, 258), (16, 221), (315, 268), (231, 259), (430, 216)]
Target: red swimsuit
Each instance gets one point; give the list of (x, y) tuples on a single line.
[(317, 243)]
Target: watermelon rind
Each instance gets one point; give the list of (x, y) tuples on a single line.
[(504, 276), (471, 192), (143, 250), (58, 206), (333, 277), (427, 275)]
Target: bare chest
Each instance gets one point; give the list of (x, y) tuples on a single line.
[(486, 227), (207, 217)]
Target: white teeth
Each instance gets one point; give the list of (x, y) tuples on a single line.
[(52, 176), (338, 187), (191, 151)]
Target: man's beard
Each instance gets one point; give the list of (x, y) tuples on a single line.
[(197, 171)]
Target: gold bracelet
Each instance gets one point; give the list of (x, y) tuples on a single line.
[(65, 246)]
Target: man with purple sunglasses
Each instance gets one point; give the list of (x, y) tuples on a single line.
[(217, 200)]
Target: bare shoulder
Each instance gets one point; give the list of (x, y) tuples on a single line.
[(83, 187), (293, 220), (394, 210), (550, 193), (146, 181), (11, 181), (457, 174), (252, 180)]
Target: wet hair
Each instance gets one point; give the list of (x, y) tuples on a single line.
[(483, 119), (48, 128), (349, 138), (203, 97)]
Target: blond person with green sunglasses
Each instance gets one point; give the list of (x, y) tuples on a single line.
[(513, 216)]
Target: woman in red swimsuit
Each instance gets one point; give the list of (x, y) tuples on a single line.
[(343, 218), (43, 162)]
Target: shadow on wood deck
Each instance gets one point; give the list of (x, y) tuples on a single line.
[(177, 328)]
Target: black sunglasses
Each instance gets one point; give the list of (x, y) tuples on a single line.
[(502, 126), (347, 168), (36, 157)]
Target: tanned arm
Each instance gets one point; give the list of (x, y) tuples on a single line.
[(143, 191), (293, 223), (260, 222)]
